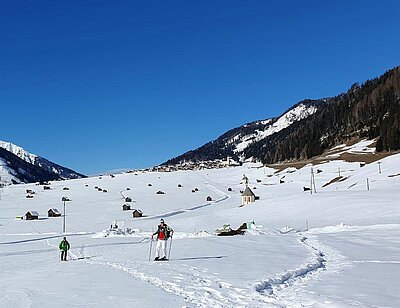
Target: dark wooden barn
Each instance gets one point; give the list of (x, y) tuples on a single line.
[(31, 215), (53, 213), (126, 207), (137, 213)]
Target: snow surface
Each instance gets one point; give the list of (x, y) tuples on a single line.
[(348, 257)]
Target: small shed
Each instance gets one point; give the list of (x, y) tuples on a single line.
[(137, 213), (66, 188), (160, 192), (126, 207), (209, 198), (53, 213), (128, 199), (29, 196), (248, 196), (46, 187), (31, 215)]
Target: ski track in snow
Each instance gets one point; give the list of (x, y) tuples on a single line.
[(285, 289), (196, 207), (196, 287)]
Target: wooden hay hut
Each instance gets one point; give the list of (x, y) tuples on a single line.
[(46, 187), (126, 207), (66, 188), (128, 199), (209, 198), (29, 196), (137, 213), (31, 215), (160, 192), (53, 213)]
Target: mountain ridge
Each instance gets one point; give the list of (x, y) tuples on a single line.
[(370, 110), (20, 166)]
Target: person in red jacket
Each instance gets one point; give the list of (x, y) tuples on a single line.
[(163, 233)]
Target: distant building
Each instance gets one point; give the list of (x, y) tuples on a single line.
[(128, 199), (137, 213), (248, 196), (31, 215), (53, 213), (126, 207), (209, 198)]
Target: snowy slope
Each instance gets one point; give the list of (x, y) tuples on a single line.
[(348, 257), (298, 113)]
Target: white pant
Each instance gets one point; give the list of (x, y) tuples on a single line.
[(161, 249)]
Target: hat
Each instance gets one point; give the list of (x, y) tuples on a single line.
[(162, 220)]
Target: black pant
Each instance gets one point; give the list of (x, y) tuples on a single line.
[(63, 255)]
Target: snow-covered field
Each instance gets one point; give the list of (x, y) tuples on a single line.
[(349, 256)]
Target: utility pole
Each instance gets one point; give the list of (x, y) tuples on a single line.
[(65, 199), (367, 184), (379, 164), (312, 184), (64, 217)]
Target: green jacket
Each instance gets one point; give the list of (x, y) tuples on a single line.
[(64, 245)]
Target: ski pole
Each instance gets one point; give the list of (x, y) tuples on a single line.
[(169, 252), (151, 244)]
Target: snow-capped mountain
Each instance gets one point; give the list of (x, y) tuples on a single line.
[(311, 127), (18, 165), (236, 142), (297, 113), (20, 152)]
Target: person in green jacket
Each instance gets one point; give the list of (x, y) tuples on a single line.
[(64, 247)]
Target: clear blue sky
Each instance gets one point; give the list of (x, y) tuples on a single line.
[(100, 85)]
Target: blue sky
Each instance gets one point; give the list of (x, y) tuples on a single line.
[(101, 85)]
